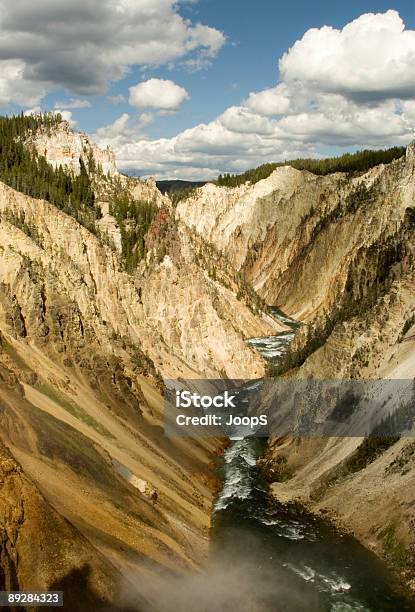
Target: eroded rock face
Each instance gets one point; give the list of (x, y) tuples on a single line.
[(83, 347), (63, 147), (234, 220), (338, 253), (296, 235), (109, 227), (147, 191), (373, 500), (40, 550), (351, 275), (174, 312), (75, 402)]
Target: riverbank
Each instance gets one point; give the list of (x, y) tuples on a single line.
[(275, 557), (370, 501)]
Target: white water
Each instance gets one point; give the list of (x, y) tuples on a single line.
[(335, 568)]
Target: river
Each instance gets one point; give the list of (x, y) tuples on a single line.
[(275, 558)]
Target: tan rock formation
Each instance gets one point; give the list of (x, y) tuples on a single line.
[(296, 235), (83, 346), (177, 315), (40, 550), (348, 269), (63, 147)]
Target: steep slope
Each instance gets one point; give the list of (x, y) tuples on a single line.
[(337, 252), (94, 315), (96, 452), (366, 486), (150, 309), (62, 560), (296, 235), (83, 347), (353, 280)]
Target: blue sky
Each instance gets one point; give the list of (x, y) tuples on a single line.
[(237, 53)]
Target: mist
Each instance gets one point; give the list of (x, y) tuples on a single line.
[(228, 583)]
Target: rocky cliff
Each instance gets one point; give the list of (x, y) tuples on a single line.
[(61, 146), (172, 309), (336, 252), (62, 559), (296, 235), (84, 345), (85, 341)]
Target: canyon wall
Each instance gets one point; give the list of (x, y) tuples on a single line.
[(84, 346), (296, 235), (337, 253)]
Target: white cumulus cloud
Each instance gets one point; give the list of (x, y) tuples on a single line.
[(371, 58), (114, 132), (244, 120), (273, 101), (157, 93), (350, 87), (84, 45)]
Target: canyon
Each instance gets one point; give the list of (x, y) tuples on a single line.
[(338, 255), (85, 344)]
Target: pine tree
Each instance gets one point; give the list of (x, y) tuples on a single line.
[(29, 172), (361, 161)]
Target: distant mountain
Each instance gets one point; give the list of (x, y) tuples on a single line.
[(177, 185)]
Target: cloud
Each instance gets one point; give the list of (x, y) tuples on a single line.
[(408, 110), (157, 93), (273, 101), (348, 88), (84, 45), (66, 116), (123, 130), (243, 120), (14, 87), (74, 103), (202, 152), (117, 99), (146, 119), (371, 58), (114, 132)]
